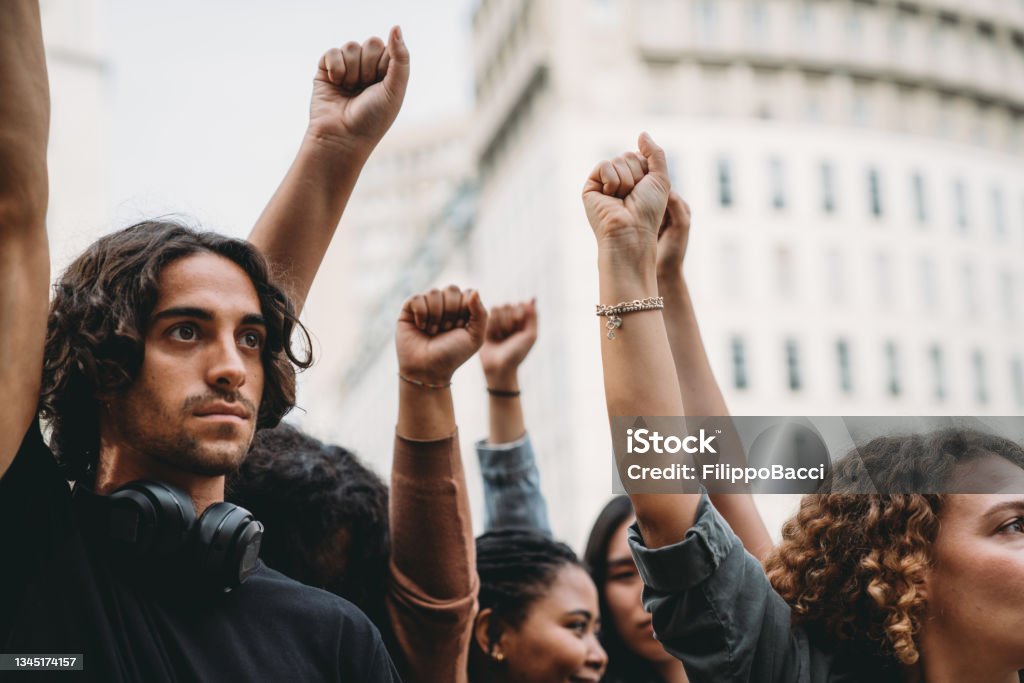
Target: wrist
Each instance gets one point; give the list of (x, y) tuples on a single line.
[(504, 379), (321, 138), (425, 377)]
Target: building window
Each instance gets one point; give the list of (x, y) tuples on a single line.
[(828, 188), (937, 361), (836, 275), (875, 192), (920, 199), (784, 271), (732, 272), (777, 173), (883, 279), (929, 286), (844, 363), (725, 190), (960, 205), (998, 213), (793, 365), (739, 363), (980, 384), (1008, 293), (707, 17), (757, 13), (1017, 377), (969, 286), (892, 369)]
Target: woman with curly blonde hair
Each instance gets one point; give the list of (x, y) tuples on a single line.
[(897, 574)]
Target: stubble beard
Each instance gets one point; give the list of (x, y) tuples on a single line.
[(156, 434)]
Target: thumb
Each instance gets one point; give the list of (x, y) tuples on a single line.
[(477, 323), (656, 161), (397, 76)]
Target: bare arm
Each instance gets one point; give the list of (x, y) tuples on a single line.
[(357, 93), (700, 392), (511, 333), (625, 216), (24, 256)]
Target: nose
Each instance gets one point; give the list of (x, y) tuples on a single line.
[(225, 370), (597, 658)]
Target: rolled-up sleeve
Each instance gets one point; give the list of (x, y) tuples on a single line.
[(434, 585), (512, 495), (714, 609)]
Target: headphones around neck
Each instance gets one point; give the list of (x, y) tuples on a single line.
[(154, 522)]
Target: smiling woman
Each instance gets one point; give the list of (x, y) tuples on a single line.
[(538, 619)]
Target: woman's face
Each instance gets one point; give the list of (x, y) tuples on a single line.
[(622, 593), (975, 587), (557, 642)]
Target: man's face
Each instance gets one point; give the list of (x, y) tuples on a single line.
[(194, 404)]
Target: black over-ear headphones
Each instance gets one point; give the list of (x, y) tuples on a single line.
[(151, 521)]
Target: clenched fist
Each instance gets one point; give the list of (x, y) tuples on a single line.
[(625, 200), (673, 236), (437, 332), (358, 90), (511, 333)]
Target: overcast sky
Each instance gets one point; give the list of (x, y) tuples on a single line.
[(208, 100)]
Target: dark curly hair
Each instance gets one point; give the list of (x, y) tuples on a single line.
[(852, 564), (624, 665), (97, 324), (516, 568), (325, 513)]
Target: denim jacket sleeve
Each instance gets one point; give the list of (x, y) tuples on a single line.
[(512, 496), (713, 608)]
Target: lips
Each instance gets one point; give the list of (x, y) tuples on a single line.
[(222, 409)]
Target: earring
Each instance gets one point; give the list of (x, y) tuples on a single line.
[(498, 656)]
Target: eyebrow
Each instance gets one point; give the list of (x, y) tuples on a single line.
[(581, 613), (621, 562), (1005, 507), (203, 314)]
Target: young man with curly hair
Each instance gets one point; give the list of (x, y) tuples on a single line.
[(866, 586), (164, 350)]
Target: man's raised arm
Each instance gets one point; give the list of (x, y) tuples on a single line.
[(357, 92), (24, 257)]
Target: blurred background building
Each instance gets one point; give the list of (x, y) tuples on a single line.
[(78, 71), (854, 169)]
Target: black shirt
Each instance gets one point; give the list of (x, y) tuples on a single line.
[(59, 594)]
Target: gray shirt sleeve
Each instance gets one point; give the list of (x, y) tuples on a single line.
[(713, 608), (512, 496)]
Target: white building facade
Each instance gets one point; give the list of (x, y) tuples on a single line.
[(855, 174)]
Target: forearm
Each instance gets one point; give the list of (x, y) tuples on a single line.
[(702, 397), (424, 413), (297, 225), (24, 255), (24, 119), (636, 384), (505, 412), (697, 385)]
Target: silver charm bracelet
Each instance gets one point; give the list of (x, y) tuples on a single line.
[(615, 313)]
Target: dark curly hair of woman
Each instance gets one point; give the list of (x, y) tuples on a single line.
[(97, 325), (852, 564)]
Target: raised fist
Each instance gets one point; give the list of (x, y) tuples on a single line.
[(673, 236), (358, 90), (625, 199), (511, 333), (437, 332)]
